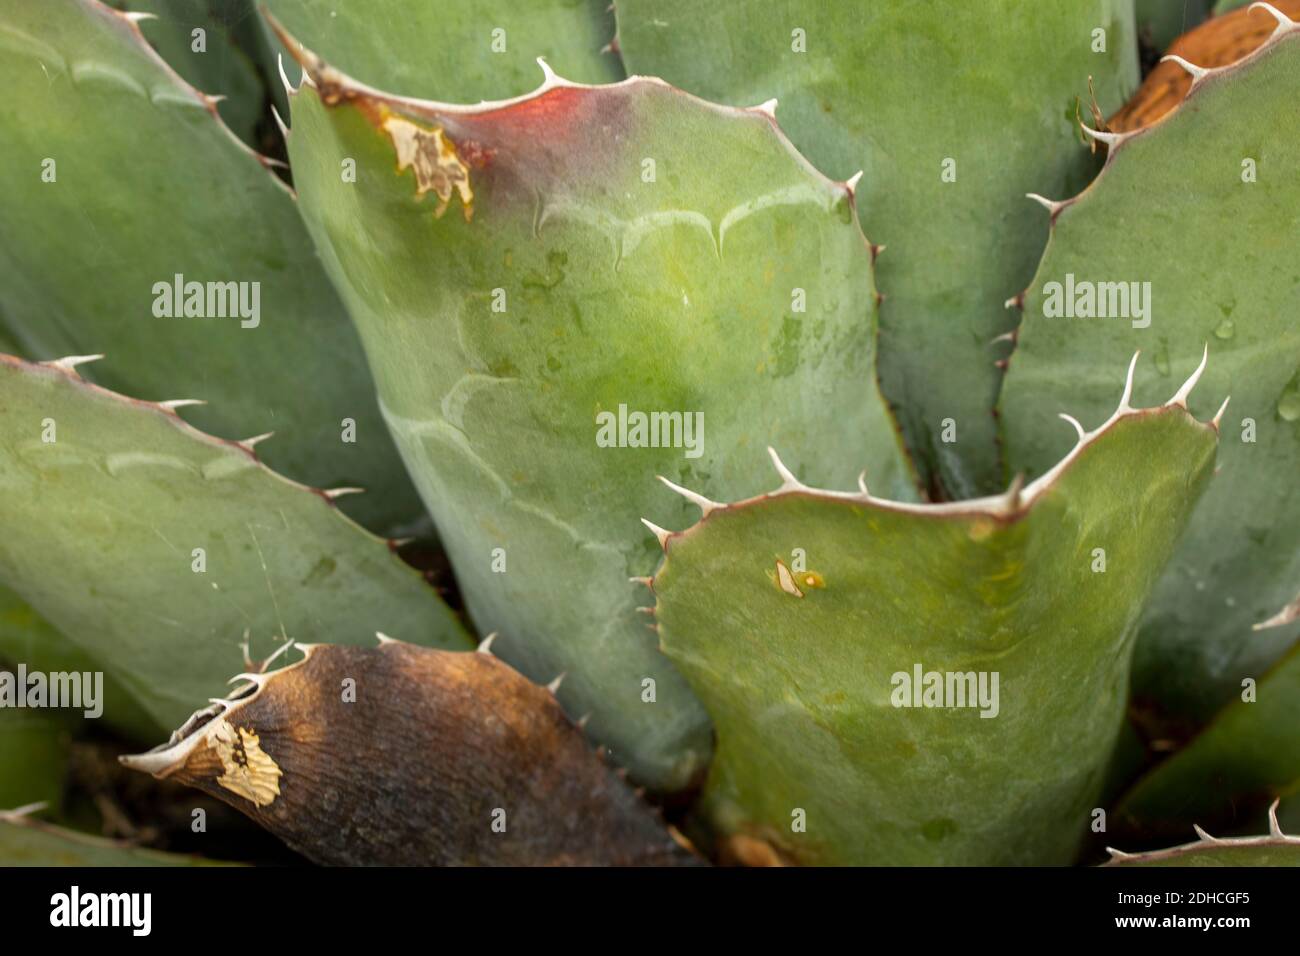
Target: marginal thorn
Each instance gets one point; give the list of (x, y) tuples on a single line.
[(1011, 500), (1124, 405), (1180, 397), (1017, 301), (703, 503), (788, 481), (1197, 72), (1275, 828), (258, 679), (646, 610), (284, 77), (1049, 204), (549, 77), (851, 184), (69, 363), (658, 532), (1284, 23), (135, 17), (554, 686), (1005, 336), (332, 493), (1202, 835), (248, 444), (485, 645), (1075, 422), (1218, 416), (767, 108), (174, 403), (1110, 139), (383, 639), (582, 721), (1117, 854), (648, 582), (1282, 618), (862, 483), (284, 129)]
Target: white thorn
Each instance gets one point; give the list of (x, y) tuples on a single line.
[(1117, 854), (1180, 397), (788, 481), (1110, 139), (767, 108), (1284, 23), (383, 639), (1005, 336), (1011, 500), (1283, 617), (1204, 837), (69, 363), (214, 100), (645, 610), (1016, 300), (485, 645), (1050, 205), (279, 652), (851, 184), (1075, 422), (1218, 416), (137, 17), (554, 686), (257, 679), (26, 810), (1124, 405), (284, 77), (549, 77), (1275, 828), (248, 444), (862, 483), (648, 582), (172, 404), (284, 130), (224, 704), (582, 721), (306, 78), (658, 532), (1197, 72), (332, 493), (703, 503)]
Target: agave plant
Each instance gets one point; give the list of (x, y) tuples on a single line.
[(698, 526)]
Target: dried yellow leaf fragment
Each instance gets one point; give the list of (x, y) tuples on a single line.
[(435, 161), (247, 769)]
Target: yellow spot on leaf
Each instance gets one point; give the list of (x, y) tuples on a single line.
[(435, 161), (247, 770)]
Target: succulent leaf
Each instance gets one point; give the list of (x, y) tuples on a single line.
[(1187, 216), (592, 254), (945, 196), (439, 758), (457, 50), (25, 841), (148, 185), (1248, 755), (210, 61), (811, 671), (154, 547)]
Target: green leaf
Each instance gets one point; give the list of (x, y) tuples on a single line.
[(1246, 757), (1163, 21), (34, 747), (219, 67), (897, 90), (28, 842), (458, 50), (155, 548), (610, 247), (27, 638), (148, 186), (1275, 849), (1172, 209), (801, 618)]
